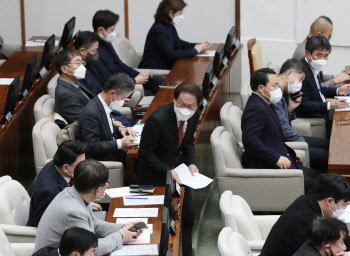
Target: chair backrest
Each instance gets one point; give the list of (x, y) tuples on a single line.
[(6, 249), (15, 203), (44, 142), (51, 86), (254, 55), (237, 211), (126, 51), (232, 244), (44, 107), (226, 150), (231, 116), (4, 178)]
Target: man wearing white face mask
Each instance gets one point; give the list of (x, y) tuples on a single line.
[(70, 96), (290, 79), (313, 103), (168, 132)]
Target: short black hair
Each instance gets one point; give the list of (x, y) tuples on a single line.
[(105, 19), (260, 77), (325, 230), (68, 151), (165, 6), (85, 39), (190, 88), (77, 240), (119, 82), (89, 175), (64, 57), (318, 42), (295, 65), (331, 185)]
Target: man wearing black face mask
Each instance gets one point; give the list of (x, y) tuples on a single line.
[(87, 44)]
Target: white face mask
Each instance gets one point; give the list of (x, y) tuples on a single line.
[(295, 87), (110, 36), (104, 193), (338, 212), (318, 65), (275, 95), (115, 104), (80, 72), (183, 114), (178, 19)]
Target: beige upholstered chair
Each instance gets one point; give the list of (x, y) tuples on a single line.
[(14, 212), (14, 249), (44, 107), (231, 119), (236, 214), (232, 244), (45, 146), (51, 86), (281, 187)]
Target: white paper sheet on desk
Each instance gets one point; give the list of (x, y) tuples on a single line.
[(135, 212), (121, 192), (36, 44), (206, 54), (6, 81), (138, 128), (140, 200), (144, 238), (126, 220), (347, 101), (197, 181), (147, 249)]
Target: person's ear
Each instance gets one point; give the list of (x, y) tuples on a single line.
[(327, 249), (318, 33), (75, 254), (260, 88), (308, 55), (100, 30), (64, 69), (329, 201), (171, 14), (82, 52)]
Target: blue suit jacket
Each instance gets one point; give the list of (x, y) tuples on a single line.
[(311, 102), (47, 185), (262, 136), (109, 63), (160, 52), (91, 83)]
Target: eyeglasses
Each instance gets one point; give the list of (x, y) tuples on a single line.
[(190, 107), (78, 62), (106, 184)]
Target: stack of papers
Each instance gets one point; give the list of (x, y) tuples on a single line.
[(206, 54), (135, 212), (37, 43), (347, 101), (138, 128), (6, 81), (144, 238), (197, 181), (126, 220), (121, 192), (149, 249), (143, 200)]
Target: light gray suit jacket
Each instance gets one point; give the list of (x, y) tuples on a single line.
[(299, 54), (67, 210)]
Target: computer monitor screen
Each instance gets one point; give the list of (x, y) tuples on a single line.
[(11, 99), (207, 80), (48, 52), (168, 196), (29, 75), (164, 236), (217, 62), (67, 34), (230, 42)]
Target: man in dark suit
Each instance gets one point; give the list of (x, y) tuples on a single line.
[(55, 177), (96, 128), (70, 96), (313, 103), (262, 133), (75, 241), (329, 198), (168, 132)]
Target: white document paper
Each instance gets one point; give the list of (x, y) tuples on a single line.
[(197, 181), (347, 101), (6, 81), (206, 54), (143, 200), (38, 43), (135, 212), (138, 128), (146, 100), (121, 192), (144, 238), (149, 229), (126, 220), (149, 249)]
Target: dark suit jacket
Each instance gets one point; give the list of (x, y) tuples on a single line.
[(69, 101), (311, 103), (93, 129), (91, 83), (109, 63), (47, 185), (159, 150), (159, 52), (50, 250), (262, 136), (290, 231), (307, 250)]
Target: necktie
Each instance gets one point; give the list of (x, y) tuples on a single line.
[(181, 133), (71, 182)]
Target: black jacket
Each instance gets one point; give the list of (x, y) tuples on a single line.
[(307, 250), (159, 150), (69, 101), (159, 53), (93, 129), (50, 250)]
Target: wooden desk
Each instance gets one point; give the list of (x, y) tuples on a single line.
[(193, 70), (174, 241)]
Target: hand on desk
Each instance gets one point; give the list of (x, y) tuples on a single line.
[(127, 235), (338, 103), (283, 162), (127, 142), (341, 77), (96, 206), (141, 78), (128, 130), (193, 169), (201, 47)]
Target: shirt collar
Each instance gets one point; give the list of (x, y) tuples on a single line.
[(69, 82), (105, 106), (262, 98), (65, 178)]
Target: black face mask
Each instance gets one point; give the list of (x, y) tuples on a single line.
[(92, 58)]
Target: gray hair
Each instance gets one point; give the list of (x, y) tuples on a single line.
[(119, 82)]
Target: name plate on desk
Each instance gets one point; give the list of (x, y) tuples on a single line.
[(225, 61), (8, 117), (25, 94), (215, 81), (43, 72)]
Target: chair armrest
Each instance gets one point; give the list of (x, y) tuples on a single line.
[(112, 164), (134, 99), (116, 176), (139, 87), (302, 128), (263, 173), (156, 72), (18, 230), (298, 145), (23, 249), (256, 245), (125, 111), (312, 121), (139, 54), (266, 223)]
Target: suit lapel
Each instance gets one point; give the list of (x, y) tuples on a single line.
[(173, 129), (312, 80), (62, 184), (104, 117)]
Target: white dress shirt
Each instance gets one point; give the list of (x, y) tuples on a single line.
[(65, 178)]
